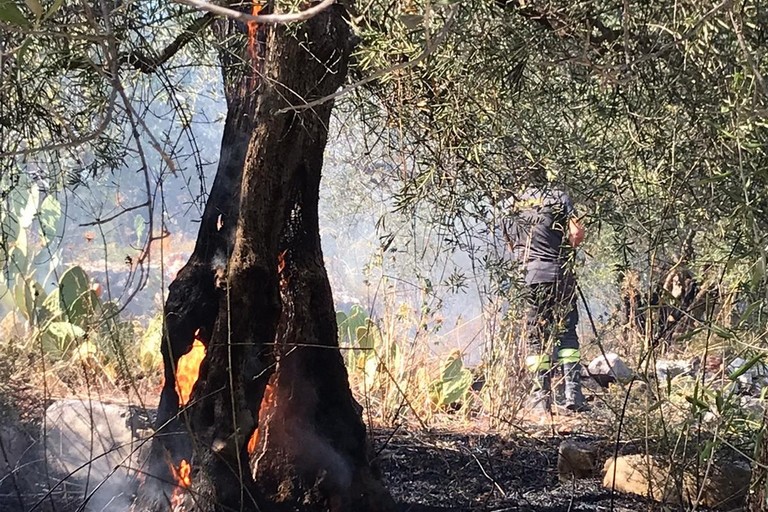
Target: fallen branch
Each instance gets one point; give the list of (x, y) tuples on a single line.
[(263, 19)]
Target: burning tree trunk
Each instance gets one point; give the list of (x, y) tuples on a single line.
[(193, 299), (272, 422)]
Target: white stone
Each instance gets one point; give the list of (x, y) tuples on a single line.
[(610, 365), (751, 381), (668, 369)]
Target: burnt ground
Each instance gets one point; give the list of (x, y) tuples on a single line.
[(467, 468), (453, 472), (450, 472)]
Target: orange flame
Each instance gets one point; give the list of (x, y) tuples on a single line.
[(253, 27), (266, 402), (183, 477), (253, 442), (188, 369)]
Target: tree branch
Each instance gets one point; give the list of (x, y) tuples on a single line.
[(116, 215), (147, 64), (555, 23), (385, 71), (263, 19)]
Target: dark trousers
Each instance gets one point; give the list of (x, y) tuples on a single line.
[(551, 321)]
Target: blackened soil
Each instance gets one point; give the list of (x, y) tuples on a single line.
[(482, 472)]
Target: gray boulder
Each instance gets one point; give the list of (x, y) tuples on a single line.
[(668, 369), (751, 379), (608, 368)]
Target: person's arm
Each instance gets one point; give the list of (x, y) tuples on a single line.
[(576, 231), (575, 227)]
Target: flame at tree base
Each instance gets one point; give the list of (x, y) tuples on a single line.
[(187, 373), (183, 477)]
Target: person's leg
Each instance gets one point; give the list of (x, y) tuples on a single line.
[(568, 353), (538, 360)]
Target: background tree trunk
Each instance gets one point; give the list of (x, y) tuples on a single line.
[(757, 498), (275, 318)]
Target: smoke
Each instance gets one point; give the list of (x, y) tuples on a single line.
[(94, 453)]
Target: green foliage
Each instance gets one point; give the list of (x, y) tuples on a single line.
[(11, 14), (49, 216), (59, 339), (368, 336), (68, 313), (23, 260), (77, 302), (452, 384), (150, 356), (348, 324), (649, 114)]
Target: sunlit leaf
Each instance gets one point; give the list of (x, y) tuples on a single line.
[(35, 7), (10, 13), (49, 216)]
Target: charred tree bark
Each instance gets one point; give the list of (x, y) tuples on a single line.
[(194, 295), (275, 321), (193, 301), (312, 441)]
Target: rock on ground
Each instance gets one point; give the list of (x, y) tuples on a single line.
[(14, 443), (575, 460), (724, 488), (668, 369), (751, 379), (609, 368), (640, 475), (722, 485)]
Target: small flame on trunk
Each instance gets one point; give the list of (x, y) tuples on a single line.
[(266, 402), (188, 369), (253, 27), (183, 477)]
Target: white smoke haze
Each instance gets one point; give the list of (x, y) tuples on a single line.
[(106, 225), (88, 456)]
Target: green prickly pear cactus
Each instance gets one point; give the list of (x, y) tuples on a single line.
[(348, 324), (368, 341), (60, 338), (453, 383), (364, 342), (62, 318), (79, 304), (68, 313)]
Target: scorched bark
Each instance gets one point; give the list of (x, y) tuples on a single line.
[(275, 320)]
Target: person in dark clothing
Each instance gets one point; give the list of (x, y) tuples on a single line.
[(543, 231)]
